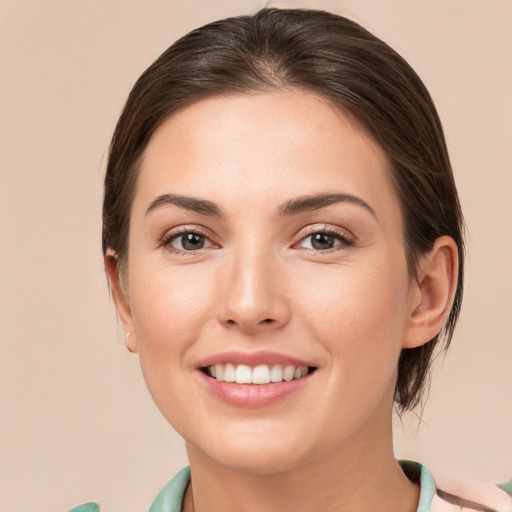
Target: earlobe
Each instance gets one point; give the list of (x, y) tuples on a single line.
[(130, 342), (119, 295), (434, 291)]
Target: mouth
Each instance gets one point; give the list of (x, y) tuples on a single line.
[(257, 375)]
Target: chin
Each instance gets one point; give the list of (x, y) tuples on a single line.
[(253, 462), (258, 454)]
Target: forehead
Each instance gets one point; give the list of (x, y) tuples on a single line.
[(264, 146)]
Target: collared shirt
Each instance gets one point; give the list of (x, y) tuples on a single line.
[(434, 497)]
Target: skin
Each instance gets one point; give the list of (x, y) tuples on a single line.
[(258, 283)]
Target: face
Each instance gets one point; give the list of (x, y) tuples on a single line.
[(266, 247)]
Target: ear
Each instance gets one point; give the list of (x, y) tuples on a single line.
[(120, 296), (432, 292)]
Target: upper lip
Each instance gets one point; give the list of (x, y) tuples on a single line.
[(252, 359)]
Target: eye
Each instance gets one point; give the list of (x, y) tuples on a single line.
[(187, 241), (325, 240)]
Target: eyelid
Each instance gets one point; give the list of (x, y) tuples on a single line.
[(346, 237), (172, 234)]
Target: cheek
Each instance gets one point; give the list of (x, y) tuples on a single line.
[(358, 315), (169, 308), (168, 305)]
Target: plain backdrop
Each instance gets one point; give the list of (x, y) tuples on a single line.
[(76, 420)]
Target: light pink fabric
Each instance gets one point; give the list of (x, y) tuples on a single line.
[(488, 496)]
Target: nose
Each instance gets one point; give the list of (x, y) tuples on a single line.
[(252, 294)]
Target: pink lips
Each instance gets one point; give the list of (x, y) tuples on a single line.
[(252, 395)]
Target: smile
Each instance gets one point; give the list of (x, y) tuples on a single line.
[(255, 379), (260, 374)]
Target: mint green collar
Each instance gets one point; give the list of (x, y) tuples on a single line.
[(427, 483), (170, 497)]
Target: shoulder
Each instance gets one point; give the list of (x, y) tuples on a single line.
[(457, 495), (169, 499)]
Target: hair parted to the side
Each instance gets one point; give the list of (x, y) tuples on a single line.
[(337, 59)]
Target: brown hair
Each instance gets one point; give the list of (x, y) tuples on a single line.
[(337, 59)]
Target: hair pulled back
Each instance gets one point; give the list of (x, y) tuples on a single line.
[(337, 59)]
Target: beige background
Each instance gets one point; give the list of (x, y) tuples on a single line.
[(76, 420)]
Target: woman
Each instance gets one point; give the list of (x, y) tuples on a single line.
[(284, 245)]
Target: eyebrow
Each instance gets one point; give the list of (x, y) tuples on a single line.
[(318, 201), (201, 206), (291, 207)]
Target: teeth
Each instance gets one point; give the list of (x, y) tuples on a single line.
[(219, 372), (276, 373), (229, 373), (261, 374), (243, 374), (289, 373)]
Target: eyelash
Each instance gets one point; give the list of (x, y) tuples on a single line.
[(343, 237), (346, 240), (167, 240)]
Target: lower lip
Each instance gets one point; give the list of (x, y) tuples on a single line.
[(253, 395)]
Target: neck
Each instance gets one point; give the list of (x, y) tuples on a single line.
[(360, 475)]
